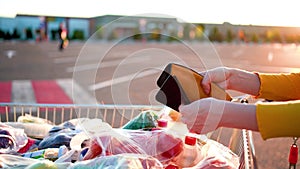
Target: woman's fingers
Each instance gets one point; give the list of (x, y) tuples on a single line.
[(206, 84), (217, 76), (202, 116)]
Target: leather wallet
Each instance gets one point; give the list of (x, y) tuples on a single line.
[(182, 85)]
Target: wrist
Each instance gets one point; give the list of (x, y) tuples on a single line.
[(231, 74), (238, 115), (243, 81)]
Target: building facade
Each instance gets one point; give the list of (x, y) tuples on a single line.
[(42, 27), (110, 27)]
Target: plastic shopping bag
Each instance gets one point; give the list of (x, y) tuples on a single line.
[(216, 156), (8, 161), (121, 161), (158, 143), (11, 139), (110, 142)]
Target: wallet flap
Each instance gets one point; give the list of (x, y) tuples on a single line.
[(190, 81)]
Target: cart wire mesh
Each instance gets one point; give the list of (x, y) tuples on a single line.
[(239, 141)]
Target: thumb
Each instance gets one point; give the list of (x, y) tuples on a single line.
[(206, 84), (182, 109)]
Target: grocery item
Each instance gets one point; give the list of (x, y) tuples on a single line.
[(174, 115), (31, 144), (162, 124), (216, 155), (174, 126), (49, 153), (33, 130), (45, 164), (171, 166), (8, 161), (111, 142), (146, 119), (70, 156), (11, 139), (190, 155), (64, 127), (88, 143), (158, 143), (79, 141), (42, 165), (32, 119), (121, 161), (56, 140), (93, 151)]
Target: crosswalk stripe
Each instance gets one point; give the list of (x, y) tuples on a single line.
[(58, 91), (22, 92), (5, 93)]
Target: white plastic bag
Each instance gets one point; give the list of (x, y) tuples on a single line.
[(216, 156), (121, 161), (11, 139)]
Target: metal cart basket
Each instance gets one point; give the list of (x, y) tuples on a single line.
[(239, 141)]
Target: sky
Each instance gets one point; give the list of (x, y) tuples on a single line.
[(244, 12)]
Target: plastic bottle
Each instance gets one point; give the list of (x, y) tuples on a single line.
[(190, 156), (49, 153), (173, 125)]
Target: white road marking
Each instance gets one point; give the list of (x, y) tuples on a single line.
[(22, 92), (103, 64), (75, 92), (123, 79)]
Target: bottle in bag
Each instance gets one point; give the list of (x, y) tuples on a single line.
[(161, 125), (190, 155)]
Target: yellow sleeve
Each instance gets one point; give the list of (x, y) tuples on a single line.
[(278, 119), (279, 87)]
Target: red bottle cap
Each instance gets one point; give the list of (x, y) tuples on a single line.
[(189, 140), (162, 123), (172, 166)]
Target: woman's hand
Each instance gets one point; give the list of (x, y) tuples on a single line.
[(219, 76), (231, 78), (202, 116)]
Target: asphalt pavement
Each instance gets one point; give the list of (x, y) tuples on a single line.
[(126, 72)]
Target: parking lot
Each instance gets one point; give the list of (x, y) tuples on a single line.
[(126, 72)]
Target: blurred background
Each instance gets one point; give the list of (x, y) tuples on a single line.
[(108, 41)]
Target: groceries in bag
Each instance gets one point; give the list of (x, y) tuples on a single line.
[(190, 155), (146, 119), (101, 141), (11, 139)]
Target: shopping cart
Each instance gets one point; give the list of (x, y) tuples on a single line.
[(239, 141)]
